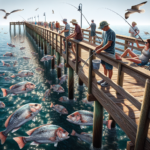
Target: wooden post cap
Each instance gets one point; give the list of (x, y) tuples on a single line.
[(67, 65), (90, 97)]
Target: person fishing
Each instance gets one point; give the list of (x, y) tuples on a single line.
[(77, 35), (66, 31), (50, 24), (107, 45), (134, 31), (93, 28), (57, 26), (141, 60)]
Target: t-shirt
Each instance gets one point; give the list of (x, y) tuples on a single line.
[(109, 36), (135, 29), (67, 27), (53, 24), (93, 27), (78, 30), (50, 25), (57, 25)]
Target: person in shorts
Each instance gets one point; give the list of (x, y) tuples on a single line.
[(77, 35), (66, 31), (107, 45)]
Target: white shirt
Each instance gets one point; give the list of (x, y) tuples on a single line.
[(135, 29)]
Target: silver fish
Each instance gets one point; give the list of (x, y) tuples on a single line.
[(57, 88), (7, 78), (23, 73), (15, 63), (2, 105), (11, 45), (2, 74), (86, 137), (39, 69), (22, 115), (34, 54), (85, 101), (63, 79), (42, 135), (8, 54), (19, 88), (47, 57), (65, 99), (26, 58), (59, 108), (61, 65), (46, 94), (22, 48), (5, 64)]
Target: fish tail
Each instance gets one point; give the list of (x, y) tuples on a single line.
[(51, 105), (2, 138), (141, 11), (3, 62), (73, 132), (4, 92), (13, 76), (20, 142), (109, 122), (43, 99)]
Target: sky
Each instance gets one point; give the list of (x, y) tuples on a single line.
[(92, 9)]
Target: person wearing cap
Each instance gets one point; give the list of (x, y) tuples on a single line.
[(77, 35), (93, 28), (66, 31), (134, 31), (107, 45)]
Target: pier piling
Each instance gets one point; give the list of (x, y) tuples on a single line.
[(71, 84)]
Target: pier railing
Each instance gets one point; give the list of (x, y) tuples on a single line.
[(136, 132)]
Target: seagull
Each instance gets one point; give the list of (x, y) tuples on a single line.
[(146, 33), (135, 9), (5, 17), (36, 9), (52, 11)]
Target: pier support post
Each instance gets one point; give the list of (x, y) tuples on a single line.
[(79, 53), (130, 145), (41, 43), (10, 27), (39, 40), (14, 29), (58, 62), (52, 52), (97, 125), (45, 46), (67, 55), (71, 84), (143, 126)]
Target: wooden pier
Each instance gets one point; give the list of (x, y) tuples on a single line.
[(127, 100)]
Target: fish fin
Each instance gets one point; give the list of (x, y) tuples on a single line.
[(83, 121), (4, 92), (109, 122), (34, 119), (52, 138), (51, 105), (19, 141), (34, 143), (3, 63), (55, 144), (28, 116), (14, 130), (83, 133), (19, 71), (43, 99), (2, 138), (73, 132), (13, 76), (23, 89), (7, 121), (31, 131)]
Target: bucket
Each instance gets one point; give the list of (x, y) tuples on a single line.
[(96, 64)]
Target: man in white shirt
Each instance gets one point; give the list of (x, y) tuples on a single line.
[(134, 31)]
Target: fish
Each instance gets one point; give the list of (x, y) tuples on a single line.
[(57, 88), (19, 88), (11, 45), (2, 74), (39, 69), (65, 99), (22, 42), (85, 101), (15, 63), (34, 54), (23, 73), (61, 65), (43, 134), (22, 48), (47, 81), (86, 137), (2, 105), (59, 108), (47, 57), (46, 94), (22, 115), (26, 57), (85, 118), (8, 54), (7, 78), (5, 64), (63, 79)]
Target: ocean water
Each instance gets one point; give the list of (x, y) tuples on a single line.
[(114, 139)]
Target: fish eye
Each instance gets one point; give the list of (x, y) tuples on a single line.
[(72, 115), (64, 131), (35, 104)]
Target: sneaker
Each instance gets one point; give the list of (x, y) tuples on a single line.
[(101, 81), (104, 84)]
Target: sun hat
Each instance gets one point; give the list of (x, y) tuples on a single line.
[(74, 21), (134, 23), (65, 20), (102, 24)]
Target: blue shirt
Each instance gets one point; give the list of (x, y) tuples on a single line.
[(50, 25), (67, 27), (109, 36), (93, 27), (53, 24)]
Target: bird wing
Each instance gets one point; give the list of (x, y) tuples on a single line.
[(36, 9), (53, 11), (16, 10), (138, 5), (128, 14), (3, 10)]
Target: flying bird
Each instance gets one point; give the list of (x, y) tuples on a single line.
[(5, 17), (36, 9), (146, 33), (135, 9), (52, 11)]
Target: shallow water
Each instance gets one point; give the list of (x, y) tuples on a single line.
[(114, 139)]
